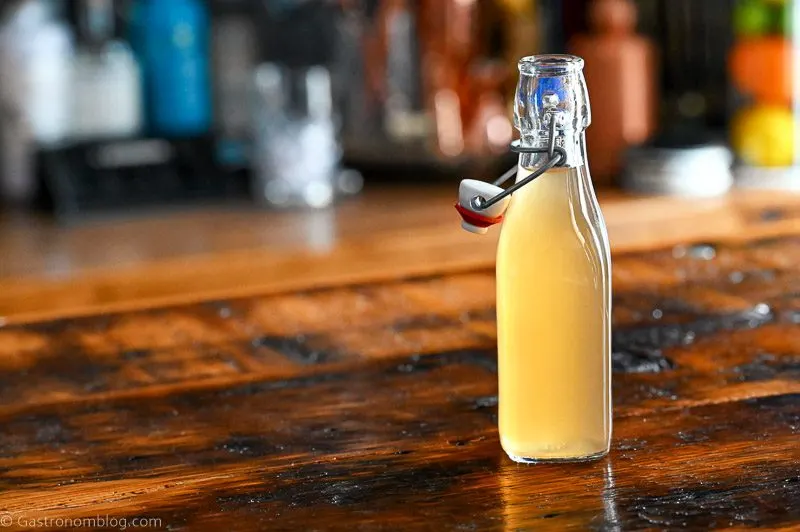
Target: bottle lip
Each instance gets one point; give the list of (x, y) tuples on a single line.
[(550, 64)]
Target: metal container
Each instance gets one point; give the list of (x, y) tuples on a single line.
[(700, 169)]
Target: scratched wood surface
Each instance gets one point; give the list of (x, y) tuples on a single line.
[(373, 406)]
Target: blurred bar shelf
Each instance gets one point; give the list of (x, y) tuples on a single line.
[(87, 179)]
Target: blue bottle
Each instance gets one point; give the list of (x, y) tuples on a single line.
[(171, 41)]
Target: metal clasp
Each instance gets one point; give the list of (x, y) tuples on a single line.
[(557, 157)]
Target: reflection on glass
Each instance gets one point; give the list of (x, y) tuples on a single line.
[(611, 515), (535, 498)]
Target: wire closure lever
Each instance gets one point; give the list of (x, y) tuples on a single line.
[(557, 157), (482, 205)]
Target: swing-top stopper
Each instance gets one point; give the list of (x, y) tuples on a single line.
[(471, 195)]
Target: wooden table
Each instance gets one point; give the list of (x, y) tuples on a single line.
[(366, 399)]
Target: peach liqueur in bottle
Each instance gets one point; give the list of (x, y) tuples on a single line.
[(553, 274)]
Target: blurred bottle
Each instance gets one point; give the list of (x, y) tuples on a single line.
[(234, 55), (349, 73), (621, 75), (522, 30), (400, 84), (392, 71), (107, 99), (461, 31), (445, 105), (36, 50), (450, 46), (556, 18), (489, 131), (171, 40), (461, 45)]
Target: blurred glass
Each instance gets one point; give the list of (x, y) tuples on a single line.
[(107, 100), (296, 156), (105, 77), (763, 70), (36, 49), (234, 54)]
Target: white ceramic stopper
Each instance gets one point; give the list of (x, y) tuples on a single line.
[(469, 189)]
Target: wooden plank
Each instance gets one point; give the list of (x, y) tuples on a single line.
[(373, 405), (393, 447), (48, 272), (718, 319)]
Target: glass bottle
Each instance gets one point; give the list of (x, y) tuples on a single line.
[(36, 48), (171, 42), (553, 274), (234, 55), (106, 81), (621, 72)]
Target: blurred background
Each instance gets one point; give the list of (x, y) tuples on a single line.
[(109, 105)]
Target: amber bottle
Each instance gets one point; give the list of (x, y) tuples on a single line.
[(621, 75)]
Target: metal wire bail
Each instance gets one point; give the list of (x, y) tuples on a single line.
[(557, 157)]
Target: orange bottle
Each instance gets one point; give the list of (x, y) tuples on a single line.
[(621, 76)]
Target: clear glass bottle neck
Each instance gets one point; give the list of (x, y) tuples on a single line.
[(573, 144), (552, 88)]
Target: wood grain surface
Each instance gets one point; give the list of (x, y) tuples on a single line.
[(372, 406), (127, 262)]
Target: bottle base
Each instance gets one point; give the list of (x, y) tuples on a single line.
[(556, 459)]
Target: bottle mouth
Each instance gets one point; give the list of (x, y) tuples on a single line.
[(550, 65)]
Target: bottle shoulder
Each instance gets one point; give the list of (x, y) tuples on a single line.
[(551, 207)]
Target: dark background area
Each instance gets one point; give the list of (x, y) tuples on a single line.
[(383, 64)]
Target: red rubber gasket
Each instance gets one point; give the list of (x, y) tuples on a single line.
[(476, 219)]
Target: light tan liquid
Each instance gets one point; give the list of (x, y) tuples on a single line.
[(553, 312)]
